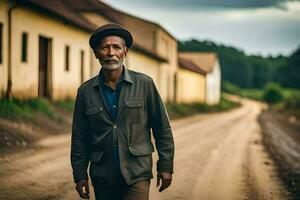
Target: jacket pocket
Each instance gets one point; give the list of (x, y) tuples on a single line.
[(134, 111), (96, 117), (141, 150), (93, 110), (95, 157), (141, 160)]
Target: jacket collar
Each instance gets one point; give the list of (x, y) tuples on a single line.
[(126, 77)]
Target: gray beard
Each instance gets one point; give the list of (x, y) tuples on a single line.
[(112, 66)]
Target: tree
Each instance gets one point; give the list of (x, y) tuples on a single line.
[(262, 73), (250, 71), (289, 74)]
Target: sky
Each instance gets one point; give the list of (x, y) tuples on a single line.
[(265, 27)]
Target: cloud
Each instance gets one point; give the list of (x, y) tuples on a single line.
[(196, 4), (262, 28)]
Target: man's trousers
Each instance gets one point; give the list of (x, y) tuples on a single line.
[(137, 191)]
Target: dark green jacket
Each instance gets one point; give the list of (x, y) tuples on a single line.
[(94, 133)]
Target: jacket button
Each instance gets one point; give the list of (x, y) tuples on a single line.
[(115, 126)]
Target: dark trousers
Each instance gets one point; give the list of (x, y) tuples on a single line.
[(121, 191)]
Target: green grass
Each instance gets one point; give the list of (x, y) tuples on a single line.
[(290, 101), (17, 108), (256, 94), (67, 105), (288, 93), (182, 110)]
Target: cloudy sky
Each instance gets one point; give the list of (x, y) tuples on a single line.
[(266, 27)]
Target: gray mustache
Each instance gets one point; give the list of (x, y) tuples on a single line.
[(110, 59)]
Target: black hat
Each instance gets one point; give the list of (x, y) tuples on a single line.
[(110, 29)]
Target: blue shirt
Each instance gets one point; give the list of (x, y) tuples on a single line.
[(111, 98)]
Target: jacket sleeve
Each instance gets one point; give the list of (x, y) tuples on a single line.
[(160, 124), (80, 142)]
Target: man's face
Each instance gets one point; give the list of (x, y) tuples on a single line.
[(111, 52)]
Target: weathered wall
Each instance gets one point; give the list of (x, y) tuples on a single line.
[(151, 67), (213, 85), (166, 46), (190, 87), (25, 75), (4, 63)]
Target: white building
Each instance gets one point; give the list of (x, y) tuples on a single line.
[(209, 63)]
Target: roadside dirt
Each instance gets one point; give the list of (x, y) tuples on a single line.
[(282, 139), (221, 156), (218, 156), (21, 134)]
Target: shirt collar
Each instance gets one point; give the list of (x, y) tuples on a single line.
[(125, 77)]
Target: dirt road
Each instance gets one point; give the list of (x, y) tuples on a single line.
[(218, 157)]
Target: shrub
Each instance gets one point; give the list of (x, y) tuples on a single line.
[(273, 93)]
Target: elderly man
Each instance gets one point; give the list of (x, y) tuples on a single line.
[(113, 117)]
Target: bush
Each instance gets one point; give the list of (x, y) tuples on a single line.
[(273, 93)]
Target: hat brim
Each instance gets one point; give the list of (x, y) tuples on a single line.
[(96, 38)]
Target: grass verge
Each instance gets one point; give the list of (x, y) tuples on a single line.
[(66, 105), (17, 108), (176, 111), (27, 108)]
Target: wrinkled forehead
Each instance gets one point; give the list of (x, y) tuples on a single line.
[(112, 39)]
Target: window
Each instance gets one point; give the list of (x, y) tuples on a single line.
[(67, 58), (24, 47)]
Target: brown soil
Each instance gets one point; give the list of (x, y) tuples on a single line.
[(221, 156), (20, 134), (282, 139)]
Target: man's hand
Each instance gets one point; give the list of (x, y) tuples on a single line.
[(166, 179), (82, 188)]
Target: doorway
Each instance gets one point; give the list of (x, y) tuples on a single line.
[(45, 64)]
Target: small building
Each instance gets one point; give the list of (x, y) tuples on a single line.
[(190, 82), (208, 63)]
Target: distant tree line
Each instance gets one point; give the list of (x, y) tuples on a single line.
[(253, 71)]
